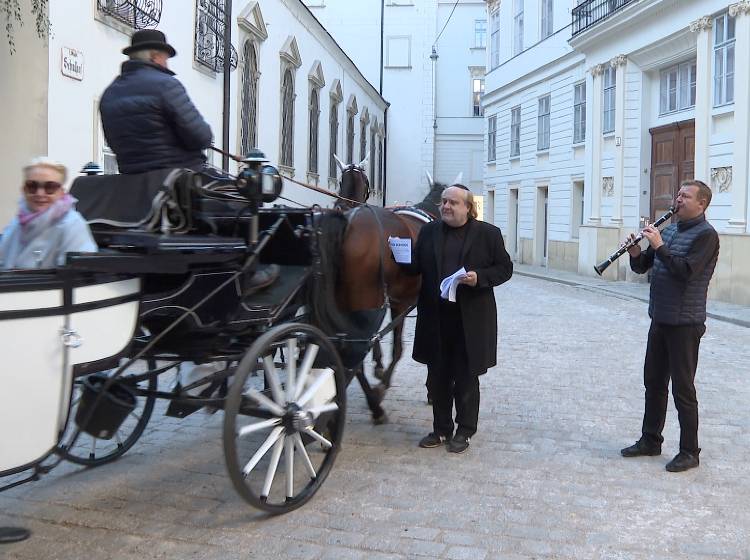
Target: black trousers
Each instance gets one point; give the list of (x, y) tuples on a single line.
[(449, 380), (672, 353)]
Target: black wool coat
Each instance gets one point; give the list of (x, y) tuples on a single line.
[(484, 252), (149, 121)]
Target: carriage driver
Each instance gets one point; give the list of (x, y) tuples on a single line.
[(149, 121)]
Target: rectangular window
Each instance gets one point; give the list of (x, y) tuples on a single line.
[(515, 132), (398, 52), (608, 116), (542, 138), (495, 39), (579, 113), (210, 18), (547, 12), (491, 137), (480, 33), (517, 26), (723, 60), (677, 88), (477, 90)]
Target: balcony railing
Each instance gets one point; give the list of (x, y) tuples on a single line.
[(136, 14), (590, 12)]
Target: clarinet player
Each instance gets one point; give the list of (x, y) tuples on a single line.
[(682, 260)]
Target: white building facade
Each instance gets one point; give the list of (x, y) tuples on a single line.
[(632, 98), (289, 95), (435, 121)]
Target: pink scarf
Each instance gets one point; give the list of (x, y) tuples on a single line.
[(53, 213)]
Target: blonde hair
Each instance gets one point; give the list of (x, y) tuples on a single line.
[(704, 191), (44, 161), (469, 200)]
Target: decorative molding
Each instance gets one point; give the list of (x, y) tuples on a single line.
[(721, 179), (597, 69), (608, 186), (351, 105), (742, 7), (290, 52), (619, 60), (337, 95), (701, 24), (316, 75), (251, 21)]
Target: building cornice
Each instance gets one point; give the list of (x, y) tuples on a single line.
[(619, 60), (739, 8)]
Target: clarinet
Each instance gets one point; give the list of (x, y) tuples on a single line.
[(602, 266)]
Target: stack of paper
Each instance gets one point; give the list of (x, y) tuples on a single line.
[(450, 283)]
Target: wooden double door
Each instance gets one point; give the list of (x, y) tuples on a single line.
[(672, 161)]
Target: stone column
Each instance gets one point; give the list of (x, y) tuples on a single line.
[(738, 216), (619, 64), (595, 188), (703, 81)]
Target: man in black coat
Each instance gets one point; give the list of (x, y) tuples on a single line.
[(457, 340), (149, 121), (682, 259)]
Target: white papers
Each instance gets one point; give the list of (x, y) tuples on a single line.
[(401, 249), (450, 283)]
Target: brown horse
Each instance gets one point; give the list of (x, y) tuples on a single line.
[(355, 186), (360, 277)]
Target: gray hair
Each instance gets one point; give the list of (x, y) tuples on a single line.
[(44, 161), (144, 55)]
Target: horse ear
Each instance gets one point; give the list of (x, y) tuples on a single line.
[(364, 161), (339, 162), (429, 178), (459, 178)]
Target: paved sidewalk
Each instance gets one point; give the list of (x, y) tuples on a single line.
[(722, 311)]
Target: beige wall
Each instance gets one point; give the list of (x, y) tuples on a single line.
[(731, 281), (23, 99), (563, 255)]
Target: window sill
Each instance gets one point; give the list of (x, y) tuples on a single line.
[(398, 67), (606, 135), (477, 48), (203, 69), (581, 144), (286, 171), (313, 178), (722, 109), (543, 152), (113, 22), (515, 158)]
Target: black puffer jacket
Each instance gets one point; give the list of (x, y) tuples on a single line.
[(150, 122)]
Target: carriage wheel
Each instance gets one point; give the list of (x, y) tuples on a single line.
[(288, 398), (92, 451)]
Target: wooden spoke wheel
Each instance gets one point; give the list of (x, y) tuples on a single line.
[(284, 417)]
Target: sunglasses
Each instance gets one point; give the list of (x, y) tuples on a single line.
[(50, 187)]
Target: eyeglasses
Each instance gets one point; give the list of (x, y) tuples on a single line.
[(50, 187)]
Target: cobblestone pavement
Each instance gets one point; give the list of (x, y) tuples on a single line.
[(543, 477)]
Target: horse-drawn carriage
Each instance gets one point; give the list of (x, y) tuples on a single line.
[(88, 347)]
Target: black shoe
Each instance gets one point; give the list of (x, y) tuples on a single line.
[(639, 448), (683, 461), (458, 443), (432, 440)]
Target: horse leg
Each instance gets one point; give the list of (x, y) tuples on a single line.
[(377, 357), (398, 347), (373, 395)]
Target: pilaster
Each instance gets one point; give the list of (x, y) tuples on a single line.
[(702, 27)]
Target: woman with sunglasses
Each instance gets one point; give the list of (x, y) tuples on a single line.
[(46, 226)]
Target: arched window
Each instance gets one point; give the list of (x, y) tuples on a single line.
[(287, 119), (333, 124), (350, 137), (249, 100), (371, 159), (363, 122), (312, 159)]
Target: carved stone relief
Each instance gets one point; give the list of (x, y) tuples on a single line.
[(608, 186), (721, 179)]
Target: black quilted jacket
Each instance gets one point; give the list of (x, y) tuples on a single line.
[(149, 121)]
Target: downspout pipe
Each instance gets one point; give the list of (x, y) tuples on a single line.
[(434, 57), (227, 62)]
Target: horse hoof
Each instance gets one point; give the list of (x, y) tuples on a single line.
[(380, 420), (379, 391)]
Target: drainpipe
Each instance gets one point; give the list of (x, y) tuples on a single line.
[(385, 153), (434, 58), (227, 82), (382, 37)]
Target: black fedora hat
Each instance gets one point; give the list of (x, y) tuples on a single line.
[(149, 39)]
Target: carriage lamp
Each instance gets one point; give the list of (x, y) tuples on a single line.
[(91, 168)]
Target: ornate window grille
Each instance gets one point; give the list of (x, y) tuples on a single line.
[(249, 113), (138, 14), (210, 19), (333, 125), (312, 165), (287, 119)]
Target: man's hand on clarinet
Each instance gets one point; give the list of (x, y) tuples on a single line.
[(654, 237), (634, 250)]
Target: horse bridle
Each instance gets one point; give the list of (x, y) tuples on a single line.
[(361, 171)]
